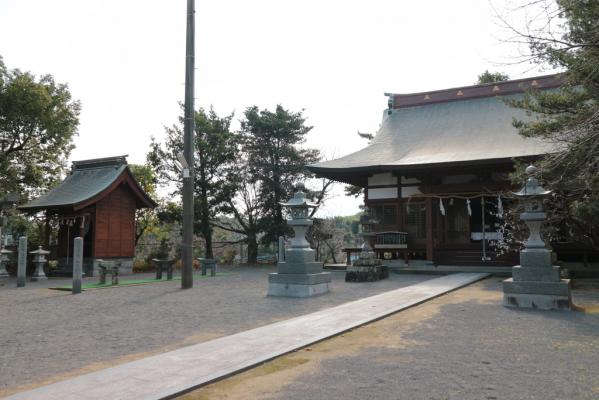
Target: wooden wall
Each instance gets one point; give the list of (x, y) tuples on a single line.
[(115, 225)]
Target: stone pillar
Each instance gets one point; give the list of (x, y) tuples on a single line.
[(299, 275), (536, 282), (281, 248), (22, 262), (39, 259), (77, 264), (4, 258)]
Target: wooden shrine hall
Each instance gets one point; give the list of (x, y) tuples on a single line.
[(96, 201), (435, 176)]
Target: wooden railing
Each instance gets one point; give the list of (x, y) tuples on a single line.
[(391, 240)]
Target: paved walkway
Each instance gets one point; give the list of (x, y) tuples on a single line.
[(175, 372), (51, 335)]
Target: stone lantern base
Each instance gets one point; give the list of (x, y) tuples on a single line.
[(539, 288), (299, 275), (366, 269)]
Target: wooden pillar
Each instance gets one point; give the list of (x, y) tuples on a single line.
[(429, 229), (47, 231)]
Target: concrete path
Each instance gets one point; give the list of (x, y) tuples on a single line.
[(169, 374)]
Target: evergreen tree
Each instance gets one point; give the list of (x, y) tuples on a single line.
[(216, 151), (491, 77), (38, 121), (145, 218), (275, 159), (569, 116)]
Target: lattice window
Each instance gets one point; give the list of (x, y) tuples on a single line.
[(415, 217)]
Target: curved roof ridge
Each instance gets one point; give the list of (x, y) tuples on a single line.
[(473, 130), (88, 184), (400, 100)]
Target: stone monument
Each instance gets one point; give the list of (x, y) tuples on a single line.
[(299, 275), (536, 282), (367, 267), (77, 265), (22, 261)]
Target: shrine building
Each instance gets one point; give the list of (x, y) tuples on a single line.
[(435, 177), (97, 201)]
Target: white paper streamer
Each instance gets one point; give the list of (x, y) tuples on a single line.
[(499, 206), (441, 208), (468, 207)]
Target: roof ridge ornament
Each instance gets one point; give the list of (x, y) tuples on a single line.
[(390, 102), (115, 161)]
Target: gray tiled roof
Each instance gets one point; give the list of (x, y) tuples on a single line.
[(85, 181), (450, 132)]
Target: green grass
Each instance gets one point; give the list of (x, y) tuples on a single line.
[(133, 282)]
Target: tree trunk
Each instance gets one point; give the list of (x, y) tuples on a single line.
[(208, 239), (252, 250), (206, 228), (333, 256), (204, 210)]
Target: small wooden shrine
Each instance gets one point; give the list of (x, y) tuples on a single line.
[(97, 201)]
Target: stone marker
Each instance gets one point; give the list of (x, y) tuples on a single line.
[(281, 248), (39, 259), (22, 262), (241, 253), (299, 275), (4, 258), (77, 264), (536, 282)]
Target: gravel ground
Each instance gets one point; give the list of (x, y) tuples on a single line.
[(463, 345), (47, 334)]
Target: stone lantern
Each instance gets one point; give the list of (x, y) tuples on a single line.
[(367, 267), (368, 235), (4, 258), (536, 282), (39, 259), (299, 275)]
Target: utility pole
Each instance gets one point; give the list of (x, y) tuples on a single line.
[(188, 150)]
